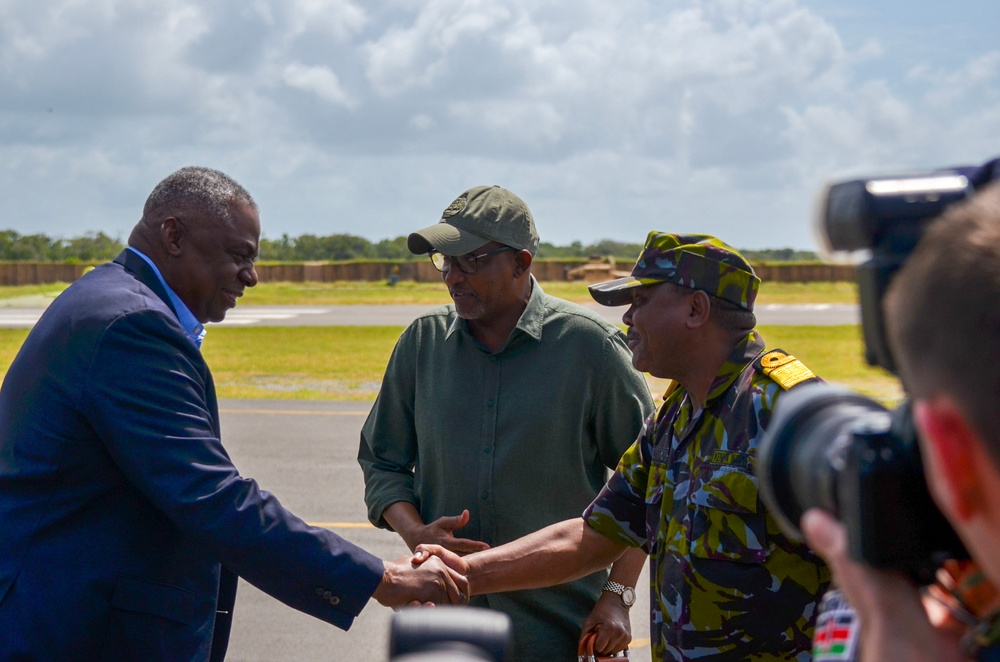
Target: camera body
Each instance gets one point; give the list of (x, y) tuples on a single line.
[(831, 448), (885, 216)]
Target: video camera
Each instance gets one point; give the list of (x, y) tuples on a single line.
[(831, 448), (449, 634)]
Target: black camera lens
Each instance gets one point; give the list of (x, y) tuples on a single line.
[(830, 448), (805, 449)]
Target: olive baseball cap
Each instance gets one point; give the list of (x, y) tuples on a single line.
[(480, 215), (697, 261)]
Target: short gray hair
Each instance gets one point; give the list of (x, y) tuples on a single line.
[(197, 189)]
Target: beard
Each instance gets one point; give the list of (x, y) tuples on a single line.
[(470, 310)]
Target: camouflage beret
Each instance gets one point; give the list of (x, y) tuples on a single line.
[(697, 261)]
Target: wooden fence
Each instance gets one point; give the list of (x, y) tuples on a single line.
[(36, 273), (423, 271)]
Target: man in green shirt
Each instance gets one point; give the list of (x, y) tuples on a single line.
[(500, 414)]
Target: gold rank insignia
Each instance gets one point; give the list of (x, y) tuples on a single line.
[(784, 369), (671, 387)]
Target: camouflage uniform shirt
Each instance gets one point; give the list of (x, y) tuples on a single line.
[(726, 584)]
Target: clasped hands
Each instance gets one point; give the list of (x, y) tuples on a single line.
[(425, 578), (436, 542), (435, 573)]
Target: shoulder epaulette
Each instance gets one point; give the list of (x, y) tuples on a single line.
[(786, 370), (671, 387)]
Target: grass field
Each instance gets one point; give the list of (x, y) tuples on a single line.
[(346, 363), (408, 292), (47, 291)]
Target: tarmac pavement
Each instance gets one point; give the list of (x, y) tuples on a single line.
[(305, 453)]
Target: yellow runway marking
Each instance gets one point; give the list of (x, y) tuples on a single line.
[(292, 412)]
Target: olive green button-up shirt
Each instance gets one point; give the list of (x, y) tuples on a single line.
[(523, 437)]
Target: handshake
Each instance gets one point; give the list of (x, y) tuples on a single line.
[(432, 575)]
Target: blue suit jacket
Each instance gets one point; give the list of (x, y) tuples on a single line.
[(118, 502)]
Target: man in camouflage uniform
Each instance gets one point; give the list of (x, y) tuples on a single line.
[(726, 583)]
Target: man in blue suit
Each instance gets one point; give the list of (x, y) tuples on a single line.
[(123, 522)]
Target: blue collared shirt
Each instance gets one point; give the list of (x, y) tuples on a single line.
[(195, 329)]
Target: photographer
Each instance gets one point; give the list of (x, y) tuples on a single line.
[(943, 324)]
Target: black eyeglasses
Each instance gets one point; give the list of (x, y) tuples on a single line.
[(467, 264)]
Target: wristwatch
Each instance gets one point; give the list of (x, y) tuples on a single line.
[(626, 592)]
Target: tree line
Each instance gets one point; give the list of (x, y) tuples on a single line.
[(97, 246)]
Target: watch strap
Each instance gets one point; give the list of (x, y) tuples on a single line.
[(620, 590)]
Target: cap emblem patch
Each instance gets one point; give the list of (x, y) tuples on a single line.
[(454, 208)]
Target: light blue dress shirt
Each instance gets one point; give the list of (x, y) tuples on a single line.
[(195, 330)]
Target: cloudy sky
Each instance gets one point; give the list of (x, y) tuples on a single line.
[(610, 118)]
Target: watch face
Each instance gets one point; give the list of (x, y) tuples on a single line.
[(628, 596)]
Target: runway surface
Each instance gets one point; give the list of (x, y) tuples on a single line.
[(304, 453)]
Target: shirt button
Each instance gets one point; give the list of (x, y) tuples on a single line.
[(485, 495), (489, 403), (493, 359), (486, 449)]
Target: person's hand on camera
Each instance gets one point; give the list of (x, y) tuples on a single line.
[(429, 581), (894, 623), (610, 618)]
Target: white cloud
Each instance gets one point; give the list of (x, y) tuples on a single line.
[(319, 81), (415, 56), (340, 19), (946, 88), (725, 114), (422, 122), (526, 123)]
